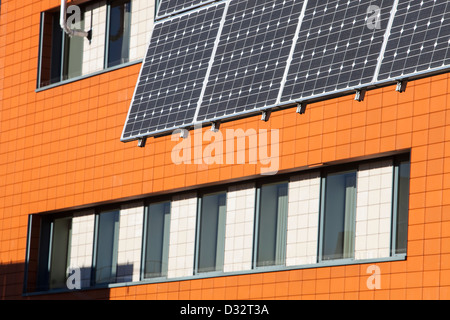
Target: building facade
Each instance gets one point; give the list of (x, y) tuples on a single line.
[(346, 200)]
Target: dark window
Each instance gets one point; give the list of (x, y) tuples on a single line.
[(157, 240), (61, 56), (119, 32), (107, 247), (49, 260), (211, 235), (401, 232), (272, 225), (339, 211)]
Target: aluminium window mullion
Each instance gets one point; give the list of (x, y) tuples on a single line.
[(41, 46), (166, 239), (94, 250), (256, 227), (394, 211), (107, 32), (197, 235), (321, 219), (144, 242)]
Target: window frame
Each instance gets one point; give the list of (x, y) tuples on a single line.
[(284, 179), (221, 223), (62, 79), (145, 232), (95, 249), (323, 188), (107, 33), (64, 51), (41, 243), (397, 162)]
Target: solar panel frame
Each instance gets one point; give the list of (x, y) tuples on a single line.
[(169, 8)]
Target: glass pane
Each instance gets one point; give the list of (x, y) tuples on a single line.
[(157, 242), (73, 56), (272, 225), (339, 216), (60, 253), (119, 33), (51, 49), (212, 233), (107, 241), (403, 207)]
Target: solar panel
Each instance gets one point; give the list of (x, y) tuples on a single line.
[(171, 7), (251, 57), (216, 60), (419, 40), (173, 72), (336, 48)]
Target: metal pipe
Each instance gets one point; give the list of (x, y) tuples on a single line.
[(66, 28)]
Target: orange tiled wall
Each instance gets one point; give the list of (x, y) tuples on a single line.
[(60, 149)]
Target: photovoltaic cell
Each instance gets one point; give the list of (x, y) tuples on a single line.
[(419, 40), (251, 57), (173, 72), (338, 47), (170, 7)]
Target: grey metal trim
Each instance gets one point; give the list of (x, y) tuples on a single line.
[(41, 44), (182, 11), (108, 25), (197, 235), (27, 254), (331, 263), (394, 209), (323, 184), (83, 77), (256, 226)]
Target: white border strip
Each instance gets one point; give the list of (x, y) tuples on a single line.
[(385, 42), (291, 54)]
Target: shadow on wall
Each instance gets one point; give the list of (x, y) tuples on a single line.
[(12, 287)]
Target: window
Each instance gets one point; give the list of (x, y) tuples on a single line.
[(401, 206), (211, 233), (339, 210), (118, 42), (271, 225), (106, 247), (156, 244), (54, 252), (61, 56), (359, 213)]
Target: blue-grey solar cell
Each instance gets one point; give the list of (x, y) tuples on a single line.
[(170, 7), (173, 72), (338, 47), (251, 57), (419, 40)]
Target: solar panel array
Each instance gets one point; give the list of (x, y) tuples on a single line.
[(218, 60)]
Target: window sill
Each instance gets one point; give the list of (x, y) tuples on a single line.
[(86, 76), (331, 263)]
